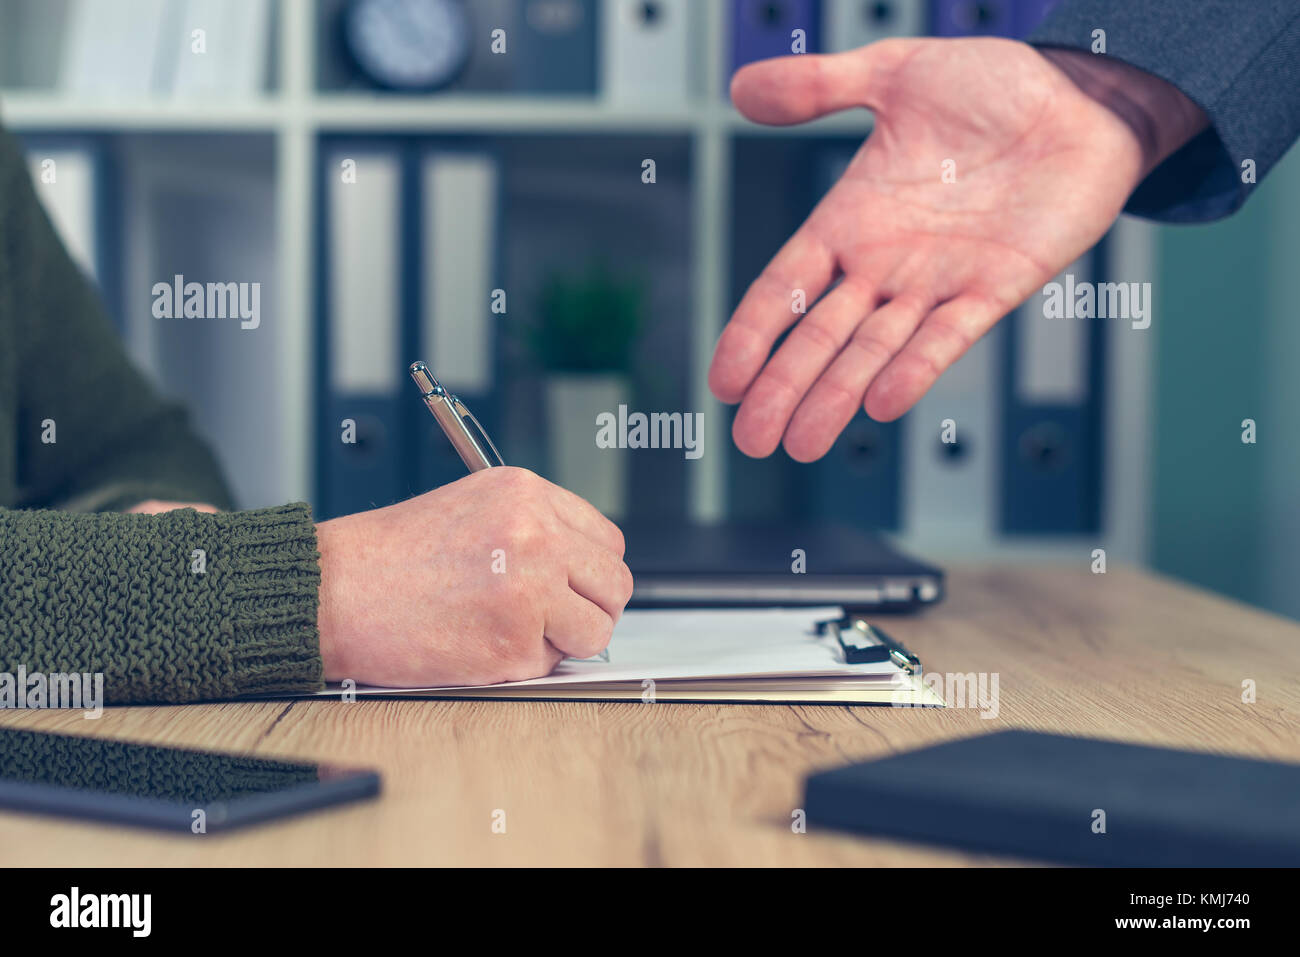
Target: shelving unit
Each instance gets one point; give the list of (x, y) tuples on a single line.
[(362, 112), (295, 112)]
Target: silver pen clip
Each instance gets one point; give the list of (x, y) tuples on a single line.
[(460, 426)]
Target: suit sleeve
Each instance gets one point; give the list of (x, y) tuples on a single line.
[(1239, 60)]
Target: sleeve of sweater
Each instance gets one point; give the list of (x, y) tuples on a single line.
[(1240, 62), (116, 442), (176, 607)]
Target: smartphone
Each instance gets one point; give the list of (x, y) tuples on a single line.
[(173, 789)]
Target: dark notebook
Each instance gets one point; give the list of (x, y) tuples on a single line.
[(1039, 796), (730, 565)]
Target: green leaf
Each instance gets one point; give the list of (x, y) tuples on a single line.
[(587, 322)]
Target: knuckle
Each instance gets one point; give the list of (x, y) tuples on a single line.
[(952, 332), (817, 336), (518, 592), (523, 531), (512, 478), (777, 378), (868, 341), (620, 540), (837, 393), (597, 635), (927, 366)]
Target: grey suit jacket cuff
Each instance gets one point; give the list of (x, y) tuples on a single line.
[(1239, 61)]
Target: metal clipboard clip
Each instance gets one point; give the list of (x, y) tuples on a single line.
[(864, 643)]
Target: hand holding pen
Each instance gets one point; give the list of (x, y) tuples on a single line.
[(464, 432)]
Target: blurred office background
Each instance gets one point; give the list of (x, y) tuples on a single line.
[(553, 203)]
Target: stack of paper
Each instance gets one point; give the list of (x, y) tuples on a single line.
[(764, 655)]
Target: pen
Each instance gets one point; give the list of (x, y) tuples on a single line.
[(457, 421), (863, 642), (464, 432)]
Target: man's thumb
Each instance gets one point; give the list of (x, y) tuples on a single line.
[(795, 89)]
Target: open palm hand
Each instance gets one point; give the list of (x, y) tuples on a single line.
[(986, 173)]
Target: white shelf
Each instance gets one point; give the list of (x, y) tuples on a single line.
[(24, 110), (497, 114), (368, 112), (522, 114)]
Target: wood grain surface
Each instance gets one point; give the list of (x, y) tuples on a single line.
[(1123, 655)]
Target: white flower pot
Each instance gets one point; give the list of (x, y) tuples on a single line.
[(573, 400)]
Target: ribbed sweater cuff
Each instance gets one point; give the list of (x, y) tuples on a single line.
[(175, 607), (270, 602)]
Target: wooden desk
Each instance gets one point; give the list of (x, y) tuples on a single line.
[(1122, 655)]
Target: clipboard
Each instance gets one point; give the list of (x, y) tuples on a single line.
[(752, 656)]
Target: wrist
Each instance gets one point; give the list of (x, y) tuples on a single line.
[(328, 605), (154, 506), (1160, 116)]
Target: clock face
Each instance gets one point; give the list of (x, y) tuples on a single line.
[(408, 44)]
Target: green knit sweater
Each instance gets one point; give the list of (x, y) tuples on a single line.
[(182, 606)]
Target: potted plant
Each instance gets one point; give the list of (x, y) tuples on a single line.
[(586, 329)]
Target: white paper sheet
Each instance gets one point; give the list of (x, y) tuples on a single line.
[(710, 643)]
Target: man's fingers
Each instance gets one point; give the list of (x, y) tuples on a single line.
[(795, 89), (547, 657), (577, 627), (581, 516), (599, 575), (810, 348), (837, 395), (800, 271), (941, 339)]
